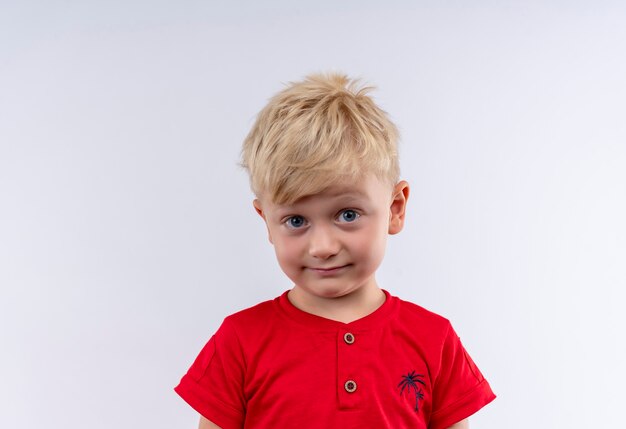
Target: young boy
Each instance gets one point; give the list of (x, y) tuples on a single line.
[(335, 351)]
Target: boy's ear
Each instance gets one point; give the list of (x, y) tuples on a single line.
[(398, 207), (259, 209)]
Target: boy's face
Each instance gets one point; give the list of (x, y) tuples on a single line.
[(330, 244)]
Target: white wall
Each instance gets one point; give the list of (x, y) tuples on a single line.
[(127, 233)]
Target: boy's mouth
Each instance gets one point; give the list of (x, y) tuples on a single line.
[(327, 271)]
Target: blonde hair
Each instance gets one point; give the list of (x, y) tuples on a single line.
[(316, 133)]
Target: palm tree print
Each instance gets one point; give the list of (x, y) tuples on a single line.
[(411, 381)]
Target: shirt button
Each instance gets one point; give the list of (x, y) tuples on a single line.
[(350, 386), (348, 338)]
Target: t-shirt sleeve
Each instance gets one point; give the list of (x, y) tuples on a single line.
[(213, 385), (459, 389)]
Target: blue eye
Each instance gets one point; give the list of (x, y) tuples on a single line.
[(349, 216), (295, 222)]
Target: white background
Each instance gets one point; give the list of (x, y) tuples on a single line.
[(127, 231)]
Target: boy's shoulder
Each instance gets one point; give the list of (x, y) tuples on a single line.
[(422, 322), (256, 312), (411, 309)]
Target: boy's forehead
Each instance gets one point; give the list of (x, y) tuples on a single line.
[(353, 189), (343, 190)]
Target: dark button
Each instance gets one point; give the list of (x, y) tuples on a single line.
[(348, 338), (350, 386)]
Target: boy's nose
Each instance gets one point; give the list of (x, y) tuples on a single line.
[(323, 243)]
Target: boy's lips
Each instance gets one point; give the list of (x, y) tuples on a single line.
[(328, 270)]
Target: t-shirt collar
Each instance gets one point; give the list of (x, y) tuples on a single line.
[(372, 321)]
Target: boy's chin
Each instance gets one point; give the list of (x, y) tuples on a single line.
[(329, 292)]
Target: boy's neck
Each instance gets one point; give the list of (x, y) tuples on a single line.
[(345, 309)]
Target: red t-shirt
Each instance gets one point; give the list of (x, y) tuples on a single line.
[(275, 366)]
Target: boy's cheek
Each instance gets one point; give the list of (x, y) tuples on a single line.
[(285, 253)]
